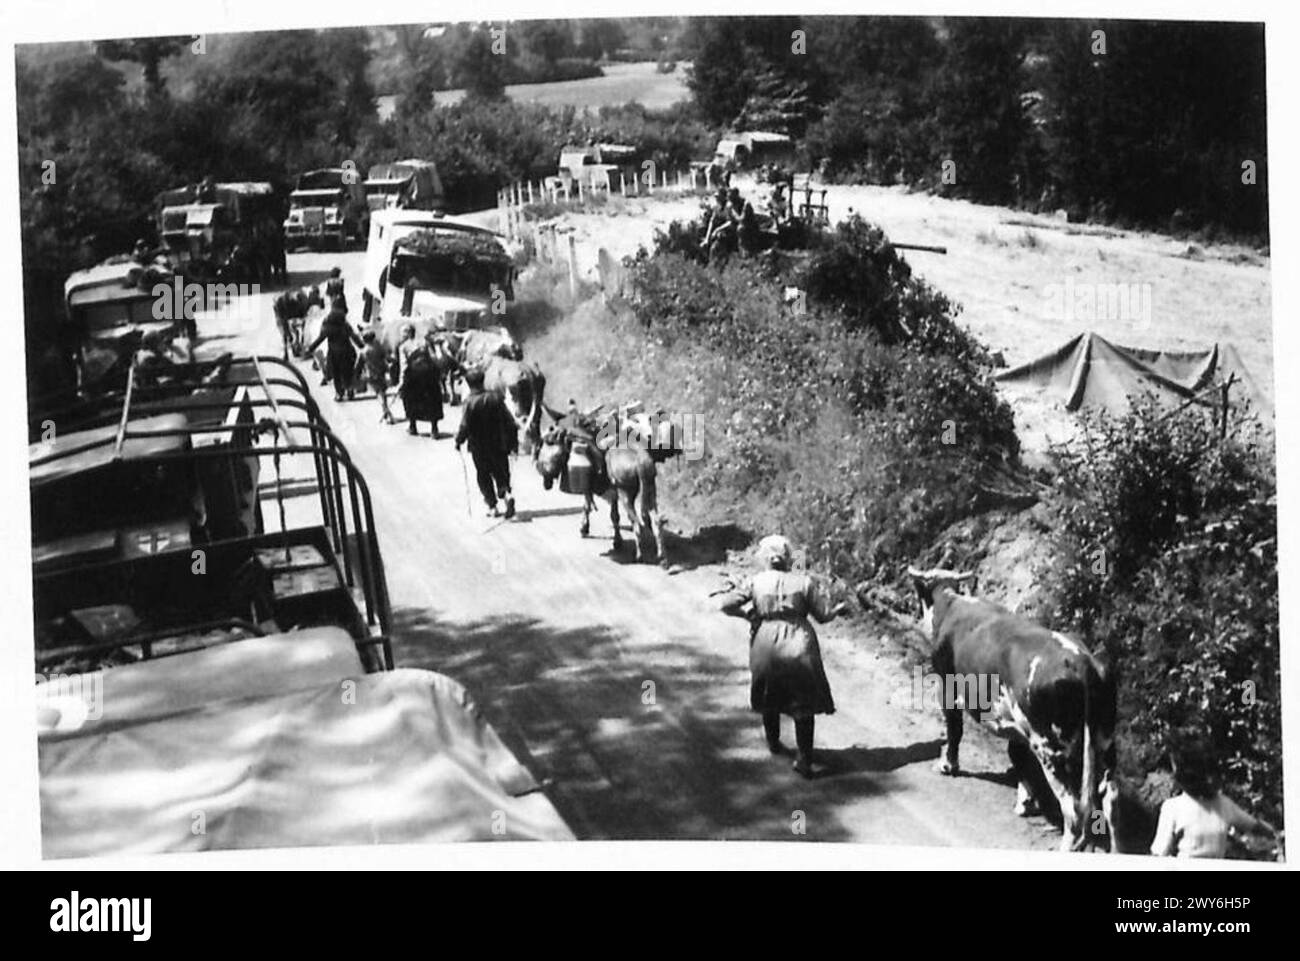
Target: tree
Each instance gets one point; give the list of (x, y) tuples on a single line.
[(303, 94), (548, 40), (775, 104), (598, 39), (979, 107), (422, 71), (64, 93), (480, 69), (149, 52), (735, 59)]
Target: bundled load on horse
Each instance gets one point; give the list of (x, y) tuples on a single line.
[(611, 453)]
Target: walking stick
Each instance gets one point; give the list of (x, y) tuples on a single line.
[(464, 475)]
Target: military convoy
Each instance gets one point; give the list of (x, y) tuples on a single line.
[(209, 594), (213, 636)]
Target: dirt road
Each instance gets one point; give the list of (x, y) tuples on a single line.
[(618, 684)]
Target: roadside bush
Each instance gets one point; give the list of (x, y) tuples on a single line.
[(858, 448), (857, 276), (1168, 563)]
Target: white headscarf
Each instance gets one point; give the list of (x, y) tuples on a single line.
[(776, 551)]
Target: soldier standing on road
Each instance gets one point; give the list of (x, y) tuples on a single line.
[(785, 659), (493, 437)]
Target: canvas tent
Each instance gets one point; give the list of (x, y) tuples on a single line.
[(1090, 372)]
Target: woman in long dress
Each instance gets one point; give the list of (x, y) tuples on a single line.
[(785, 660), (421, 387)]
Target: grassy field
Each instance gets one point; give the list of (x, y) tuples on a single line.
[(623, 82)]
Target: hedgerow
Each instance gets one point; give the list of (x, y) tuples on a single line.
[(1167, 561)]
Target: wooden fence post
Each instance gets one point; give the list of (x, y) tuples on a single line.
[(573, 266)]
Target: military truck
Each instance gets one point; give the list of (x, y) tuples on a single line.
[(112, 308), (214, 661), (222, 232), (405, 184), (327, 210), (593, 168), (752, 148), (441, 272)]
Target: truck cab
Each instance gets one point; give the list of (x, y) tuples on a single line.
[(225, 231), (111, 308), (592, 168), (327, 209)]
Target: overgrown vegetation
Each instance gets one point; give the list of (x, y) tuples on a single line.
[(1167, 561), (832, 426)]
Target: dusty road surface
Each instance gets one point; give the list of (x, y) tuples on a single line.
[(619, 684)]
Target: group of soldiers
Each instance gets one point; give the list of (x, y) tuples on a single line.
[(733, 226)]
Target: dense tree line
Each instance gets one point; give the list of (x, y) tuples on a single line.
[(1152, 126), (1146, 123)]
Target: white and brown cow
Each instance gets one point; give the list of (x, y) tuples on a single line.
[(1052, 700)]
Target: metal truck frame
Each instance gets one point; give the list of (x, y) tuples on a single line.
[(326, 571)]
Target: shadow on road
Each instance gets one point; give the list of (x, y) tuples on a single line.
[(635, 741), (530, 515), (707, 546), (853, 760)]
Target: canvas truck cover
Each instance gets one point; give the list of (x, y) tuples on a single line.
[(423, 172), (328, 179), (406, 758), (1089, 371), (93, 449), (163, 687)]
